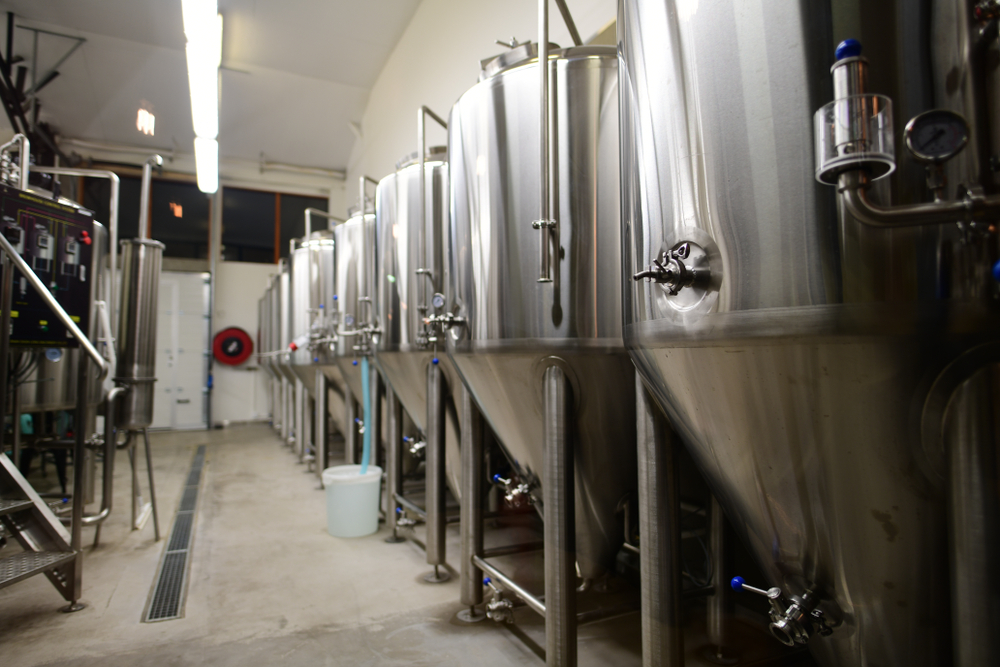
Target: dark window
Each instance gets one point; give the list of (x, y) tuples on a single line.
[(180, 214), (293, 221), (247, 225), (96, 197)]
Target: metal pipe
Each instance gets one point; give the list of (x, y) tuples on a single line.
[(535, 604), (659, 528), (112, 227), (11, 253), (422, 114), (560, 522), (147, 179), (718, 606), (351, 417), (108, 481), (410, 506), (393, 460), (544, 218), (322, 454), (79, 452), (511, 549), (362, 181), (570, 24), (973, 515), (853, 185), (283, 395), (471, 508), (6, 299), (152, 487), (268, 165), (435, 472), (310, 212)]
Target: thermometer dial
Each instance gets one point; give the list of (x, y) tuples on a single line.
[(936, 136)]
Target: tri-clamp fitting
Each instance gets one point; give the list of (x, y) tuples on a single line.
[(515, 494), (794, 620), (499, 608), (672, 270)]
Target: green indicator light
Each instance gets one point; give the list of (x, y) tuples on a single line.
[(391, 279)]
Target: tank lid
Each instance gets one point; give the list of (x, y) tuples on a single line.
[(433, 154), (524, 53), (151, 242)]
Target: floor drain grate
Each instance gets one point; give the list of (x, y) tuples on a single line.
[(166, 600)]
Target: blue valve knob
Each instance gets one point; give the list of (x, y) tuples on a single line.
[(399, 510), (487, 581), (849, 48), (996, 271), (334, 297), (357, 420), (434, 361), (355, 362), (320, 305), (737, 583), (315, 360)]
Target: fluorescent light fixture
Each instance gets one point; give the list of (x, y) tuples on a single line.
[(145, 122), (206, 163), (203, 29)]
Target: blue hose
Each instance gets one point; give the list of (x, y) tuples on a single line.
[(366, 449)]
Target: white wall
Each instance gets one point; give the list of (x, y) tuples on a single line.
[(239, 393), (437, 60)]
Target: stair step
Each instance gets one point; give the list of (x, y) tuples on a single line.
[(22, 565), (11, 506)]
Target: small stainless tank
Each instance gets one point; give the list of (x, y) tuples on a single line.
[(517, 327), (141, 260)]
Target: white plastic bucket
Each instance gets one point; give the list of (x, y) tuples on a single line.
[(352, 500)]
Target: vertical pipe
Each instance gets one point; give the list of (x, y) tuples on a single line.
[(393, 461), (152, 486), (659, 532), (16, 411), (434, 492), (283, 397), (351, 417), (297, 408), (79, 452), (6, 299), (560, 525), (147, 179), (322, 438), (973, 520), (471, 523), (422, 229), (718, 604), (24, 157), (543, 138), (377, 389)]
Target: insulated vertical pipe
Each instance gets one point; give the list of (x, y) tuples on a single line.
[(543, 139), (322, 457), (472, 501), (560, 526), (718, 604), (435, 471), (351, 417), (393, 460), (972, 440), (659, 532)]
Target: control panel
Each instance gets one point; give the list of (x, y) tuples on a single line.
[(56, 241)]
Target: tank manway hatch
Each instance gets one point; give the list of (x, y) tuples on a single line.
[(57, 243)]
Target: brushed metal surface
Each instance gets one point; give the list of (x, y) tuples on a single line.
[(311, 288), (516, 326), (798, 381)]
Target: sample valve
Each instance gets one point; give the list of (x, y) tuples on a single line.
[(678, 268), (499, 608), (516, 495), (795, 620)]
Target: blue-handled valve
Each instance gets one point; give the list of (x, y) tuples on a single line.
[(793, 621), (739, 584), (996, 271), (498, 608)]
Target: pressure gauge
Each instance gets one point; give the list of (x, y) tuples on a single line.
[(438, 301), (936, 136)]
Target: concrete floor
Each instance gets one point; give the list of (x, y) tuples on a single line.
[(268, 585)]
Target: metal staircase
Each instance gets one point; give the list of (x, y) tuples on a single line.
[(44, 540)]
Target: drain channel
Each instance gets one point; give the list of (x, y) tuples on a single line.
[(166, 599)]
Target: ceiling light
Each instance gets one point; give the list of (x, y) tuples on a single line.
[(206, 164), (203, 29), (145, 122)]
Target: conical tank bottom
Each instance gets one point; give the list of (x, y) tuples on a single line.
[(507, 385)]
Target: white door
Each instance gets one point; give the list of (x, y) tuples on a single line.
[(182, 350)]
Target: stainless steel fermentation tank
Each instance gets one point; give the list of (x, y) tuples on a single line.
[(805, 342), (410, 272), (136, 364), (530, 350)]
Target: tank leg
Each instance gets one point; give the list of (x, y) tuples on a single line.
[(152, 487), (434, 492), (659, 532), (972, 439), (321, 425), (351, 417), (472, 508), (560, 524), (298, 402), (393, 461), (374, 421), (718, 604)]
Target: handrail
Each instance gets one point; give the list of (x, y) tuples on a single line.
[(51, 302), (112, 223)]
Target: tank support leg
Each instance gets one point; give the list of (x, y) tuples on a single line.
[(351, 417), (434, 493), (970, 430), (659, 532), (560, 523), (393, 461), (719, 603), (322, 438), (471, 508), (152, 487), (300, 426)]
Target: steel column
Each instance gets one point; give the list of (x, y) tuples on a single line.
[(719, 605), (471, 507), (393, 461), (298, 400), (560, 522), (351, 417), (152, 487), (434, 491), (659, 532), (322, 437)]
